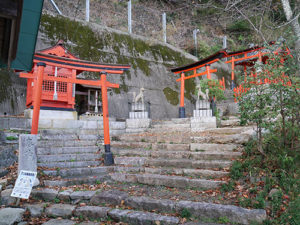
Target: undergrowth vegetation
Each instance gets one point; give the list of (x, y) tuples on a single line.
[(268, 173)]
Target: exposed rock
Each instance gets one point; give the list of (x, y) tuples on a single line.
[(3, 182), (113, 197), (10, 216), (65, 195), (46, 194), (63, 210), (93, 212), (6, 199), (233, 213), (35, 210), (82, 195), (59, 222), (149, 204), (3, 172), (272, 192), (141, 218)]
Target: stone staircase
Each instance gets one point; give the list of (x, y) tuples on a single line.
[(177, 158), (73, 157), (162, 176)]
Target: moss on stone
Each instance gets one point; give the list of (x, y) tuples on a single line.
[(144, 66), (171, 96), (189, 87)]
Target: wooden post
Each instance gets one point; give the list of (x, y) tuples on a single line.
[(208, 71), (232, 73), (37, 98), (181, 108), (245, 73), (108, 157)]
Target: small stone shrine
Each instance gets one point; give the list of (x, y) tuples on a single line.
[(138, 116)]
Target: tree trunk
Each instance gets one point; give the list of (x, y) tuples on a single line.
[(295, 25)]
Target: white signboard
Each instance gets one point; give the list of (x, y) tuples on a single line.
[(24, 184)]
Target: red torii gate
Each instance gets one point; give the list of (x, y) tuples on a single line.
[(193, 67), (58, 57)]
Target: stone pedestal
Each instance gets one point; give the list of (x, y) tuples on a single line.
[(202, 109), (202, 117), (28, 154), (52, 114), (138, 118)]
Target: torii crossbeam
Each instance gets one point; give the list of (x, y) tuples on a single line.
[(193, 67)]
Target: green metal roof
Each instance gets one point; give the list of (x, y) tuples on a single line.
[(31, 15)]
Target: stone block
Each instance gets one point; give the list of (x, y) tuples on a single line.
[(202, 104), (3, 182), (52, 114), (82, 195), (202, 123), (46, 194), (35, 210), (202, 113), (93, 212), (65, 195), (233, 213), (60, 210), (149, 204), (113, 197), (138, 217), (10, 216), (6, 199), (28, 153), (60, 222), (45, 123), (138, 123), (135, 107)]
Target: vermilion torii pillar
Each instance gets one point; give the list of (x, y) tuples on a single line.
[(183, 78)]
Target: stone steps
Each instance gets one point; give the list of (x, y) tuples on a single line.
[(176, 163), (209, 155), (78, 180), (67, 143), (165, 180), (67, 157), (75, 164), (70, 137), (173, 126), (147, 145), (101, 203), (202, 173), (75, 172), (66, 150), (213, 147)]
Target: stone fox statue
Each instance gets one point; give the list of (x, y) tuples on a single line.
[(139, 97), (200, 93)]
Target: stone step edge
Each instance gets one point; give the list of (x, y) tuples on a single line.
[(172, 152), (184, 172), (104, 213), (166, 180), (85, 170), (117, 198)]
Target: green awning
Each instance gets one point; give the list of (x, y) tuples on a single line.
[(30, 20)]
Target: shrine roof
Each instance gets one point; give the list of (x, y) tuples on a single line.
[(58, 55), (210, 59)]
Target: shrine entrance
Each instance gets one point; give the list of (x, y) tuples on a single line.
[(52, 82), (204, 63)]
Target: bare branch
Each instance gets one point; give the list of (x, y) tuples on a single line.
[(258, 31)]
